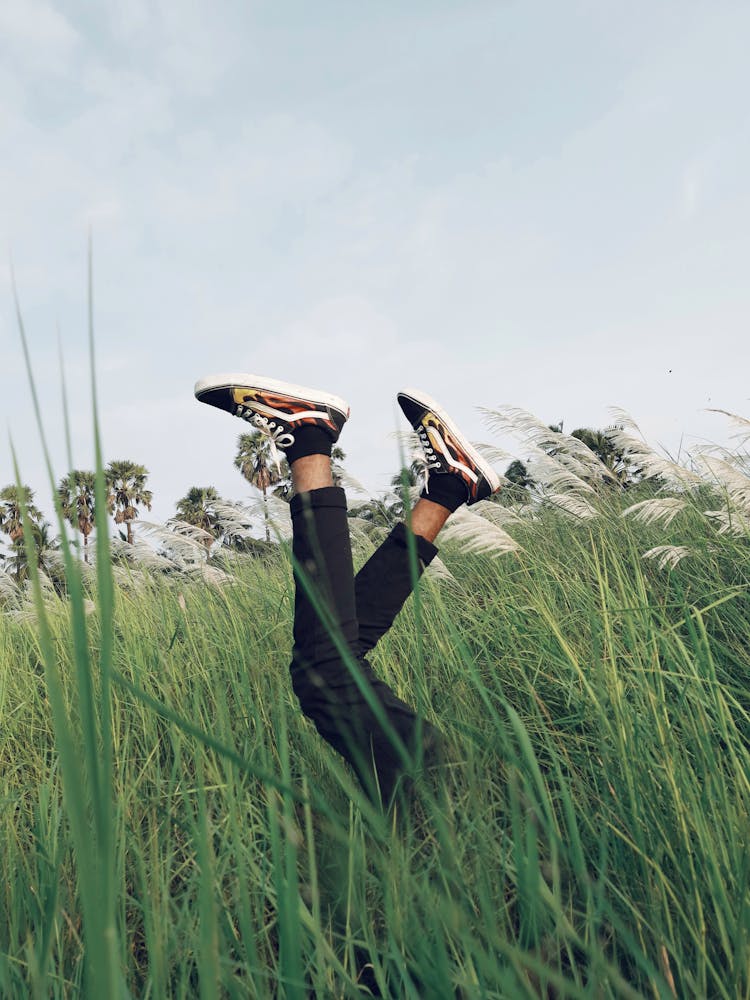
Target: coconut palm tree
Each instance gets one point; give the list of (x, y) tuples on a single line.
[(126, 482), (255, 462), (197, 507), (337, 469), (598, 441), (12, 501), (76, 492), (409, 476)]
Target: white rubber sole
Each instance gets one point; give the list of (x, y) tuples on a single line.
[(431, 404), (238, 380)]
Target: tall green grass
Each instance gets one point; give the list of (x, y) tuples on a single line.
[(172, 826), (591, 838)]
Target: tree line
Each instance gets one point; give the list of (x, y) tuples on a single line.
[(127, 493)]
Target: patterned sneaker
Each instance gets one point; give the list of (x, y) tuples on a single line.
[(276, 408), (445, 447)]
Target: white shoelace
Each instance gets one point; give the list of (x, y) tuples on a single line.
[(432, 460), (277, 436)]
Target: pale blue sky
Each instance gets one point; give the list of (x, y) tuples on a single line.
[(544, 204)]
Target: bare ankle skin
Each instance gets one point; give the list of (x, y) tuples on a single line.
[(313, 472), (427, 518)]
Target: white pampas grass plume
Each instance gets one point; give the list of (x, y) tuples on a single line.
[(279, 518), (576, 506), (731, 521), (497, 513), (234, 519), (733, 481), (650, 462), (477, 534), (519, 422), (552, 473), (667, 555), (743, 434), (493, 454), (659, 510), (8, 589), (437, 570), (212, 575), (127, 577), (350, 484), (184, 543), (575, 457)]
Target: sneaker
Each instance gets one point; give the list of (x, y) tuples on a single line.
[(276, 408), (445, 447)]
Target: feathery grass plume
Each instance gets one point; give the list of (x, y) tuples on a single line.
[(573, 505), (9, 591), (477, 534), (731, 521), (235, 520), (351, 484), (733, 482), (190, 532), (493, 454), (658, 510), (51, 601), (437, 570), (575, 456), (550, 472), (127, 577), (279, 518), (183, 543), (497, 513), (140, 554), (212, 575), (627, 438), (743, 434), (667, 555)]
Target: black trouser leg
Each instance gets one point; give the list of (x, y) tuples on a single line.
[(325, 683), (385, 581)]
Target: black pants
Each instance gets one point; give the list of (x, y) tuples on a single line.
[(335, 613)]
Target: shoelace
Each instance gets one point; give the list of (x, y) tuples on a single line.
[(277, 436), (433, 461)]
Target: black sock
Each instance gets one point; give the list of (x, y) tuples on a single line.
[(309, 440), (447, 489)]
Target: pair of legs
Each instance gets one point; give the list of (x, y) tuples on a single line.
[(338, 619), (313, 472), (351, 708)]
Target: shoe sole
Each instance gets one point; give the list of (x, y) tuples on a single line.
[(301, 393), (433, 406)]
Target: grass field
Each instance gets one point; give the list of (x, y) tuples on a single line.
[(173, 827)]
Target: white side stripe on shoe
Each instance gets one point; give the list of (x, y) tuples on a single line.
[(288, 417), (443, 448)]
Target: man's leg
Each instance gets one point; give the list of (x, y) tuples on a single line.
[(456, 474), (390, 574), (351, 708)]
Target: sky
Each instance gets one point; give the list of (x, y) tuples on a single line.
[(535, 203)]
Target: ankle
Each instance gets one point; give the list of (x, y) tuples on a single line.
[(311, 472), (428, 518)]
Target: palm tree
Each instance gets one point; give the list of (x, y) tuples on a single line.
[(12, 501), (127, 491), (256, 464), (618, 463), (409, 476), (337, 469), (76, 492), (197, 507), (519, 485)]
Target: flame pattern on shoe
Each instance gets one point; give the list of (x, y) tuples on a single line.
[(446, 449), (275, 408)]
